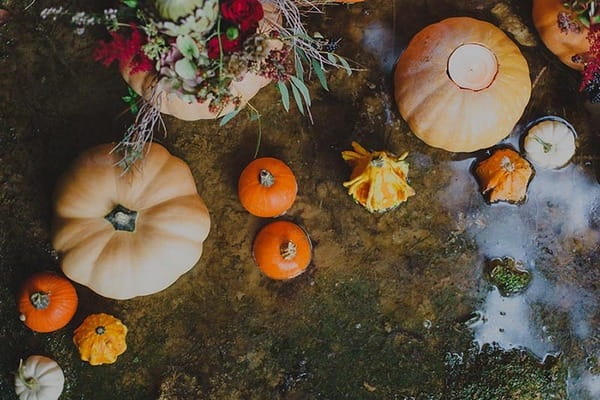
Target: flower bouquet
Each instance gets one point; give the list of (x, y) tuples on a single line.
[(205, 59)]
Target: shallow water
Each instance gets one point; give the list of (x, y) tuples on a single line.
[(393, 306)]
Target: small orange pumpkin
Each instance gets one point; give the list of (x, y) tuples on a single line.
[(267, 187), (564, 45), (378, 180), (47, 302), (282, 250), (100, 339), (504, 176)]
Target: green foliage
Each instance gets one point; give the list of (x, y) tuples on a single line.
[(132, 99)]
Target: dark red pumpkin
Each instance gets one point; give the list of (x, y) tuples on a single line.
[(47, 302), (267, 187)]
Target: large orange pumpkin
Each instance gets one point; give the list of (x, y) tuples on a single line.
[(282, 250), (267, 187), (461, 84), (132, 234), (169, 103), (564, 45), (47, 302)]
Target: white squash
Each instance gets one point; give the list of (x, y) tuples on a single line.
[(39, 378), (550, 143)]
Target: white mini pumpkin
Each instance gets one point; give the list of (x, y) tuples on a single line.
[(39, 378), (550, 143)]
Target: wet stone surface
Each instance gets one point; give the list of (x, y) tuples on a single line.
[(393, 306)]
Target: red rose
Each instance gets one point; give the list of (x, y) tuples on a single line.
[(245, 13), (229, 46)]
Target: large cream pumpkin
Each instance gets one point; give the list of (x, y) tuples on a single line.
[(461, 84), (169, 103), (132, 234), (564, 45)]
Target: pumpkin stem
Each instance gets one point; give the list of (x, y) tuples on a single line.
[(40, 300), (288, 250), (472, 66), (377, 162), (100, 330), (30, 383), (546, 146), (122, 218), (266, 178), (507, 165)]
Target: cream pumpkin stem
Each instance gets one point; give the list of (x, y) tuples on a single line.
[(266, 178), (40, 300), (472, 66), (288, 250), (30, 383), (507, 164), (122, 218), (546, 146), (100, 330)]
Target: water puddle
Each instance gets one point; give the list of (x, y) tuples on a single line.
[(550, 234)]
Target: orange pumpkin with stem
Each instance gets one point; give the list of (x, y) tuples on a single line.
[(282, 250), (267, 187), (564, 45), (100, 339), (47, 302), (504, 176)]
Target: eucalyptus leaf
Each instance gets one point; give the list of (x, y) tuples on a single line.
[(185, 69), (285, 95), (345, 65), (302, 88), (228, 117), (298, 99), (320, 74), (187, 47), (331, 58), (299, 67)]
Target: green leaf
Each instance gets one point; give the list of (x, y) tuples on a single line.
[(298, 98), (185, 69), (133, 107), (285, 95), (228, 117), (299, 67), (187, 47), (302, 88), (320, 74), (130, 3), (345, 65), (331, 58)]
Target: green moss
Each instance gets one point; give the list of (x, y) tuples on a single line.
[(493, 374), (508, 276)]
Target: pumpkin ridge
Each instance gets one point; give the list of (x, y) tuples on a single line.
[(163, 177), (64, 231), (92, 240)]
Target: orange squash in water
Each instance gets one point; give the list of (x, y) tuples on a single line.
[(461, 84), (282, 250), (504, 176), (564, 45)]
